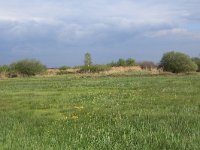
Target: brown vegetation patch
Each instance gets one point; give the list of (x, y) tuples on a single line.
[(52, 72), (55, 71), (124, 69)]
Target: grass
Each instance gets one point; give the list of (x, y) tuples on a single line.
[(97, 112)]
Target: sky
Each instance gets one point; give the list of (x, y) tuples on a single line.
[(60, 32)]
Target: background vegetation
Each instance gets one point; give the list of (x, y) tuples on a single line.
[(123, 62), (174, 62), (4, 68), (94, 68)]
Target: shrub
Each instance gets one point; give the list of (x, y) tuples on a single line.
[(28, 67), (4, 68), (130, 62), (177, 62), (147, 65), (64, 67), (123, 62), (112, 64), (94, 69), (197, 61)]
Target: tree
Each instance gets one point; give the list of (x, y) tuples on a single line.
[(177, 62), (88, 60), (197, 61)]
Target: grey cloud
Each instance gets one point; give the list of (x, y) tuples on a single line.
[(48, 27)]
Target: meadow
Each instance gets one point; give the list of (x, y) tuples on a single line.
[(122, 112)]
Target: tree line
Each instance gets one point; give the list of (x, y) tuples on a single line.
[(175, 62)]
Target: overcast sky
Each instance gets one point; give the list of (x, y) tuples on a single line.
[(60, 32)]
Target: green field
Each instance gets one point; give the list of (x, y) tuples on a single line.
[(100, 112)]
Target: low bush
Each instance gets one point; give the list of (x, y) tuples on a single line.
[(28, 67), (123, 62), (94, 68)]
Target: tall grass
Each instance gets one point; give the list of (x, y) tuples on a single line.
[(77, 112)]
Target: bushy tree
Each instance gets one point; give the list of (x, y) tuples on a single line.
[(28, 67), (88, 60), (177, 62), (197, 61)]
